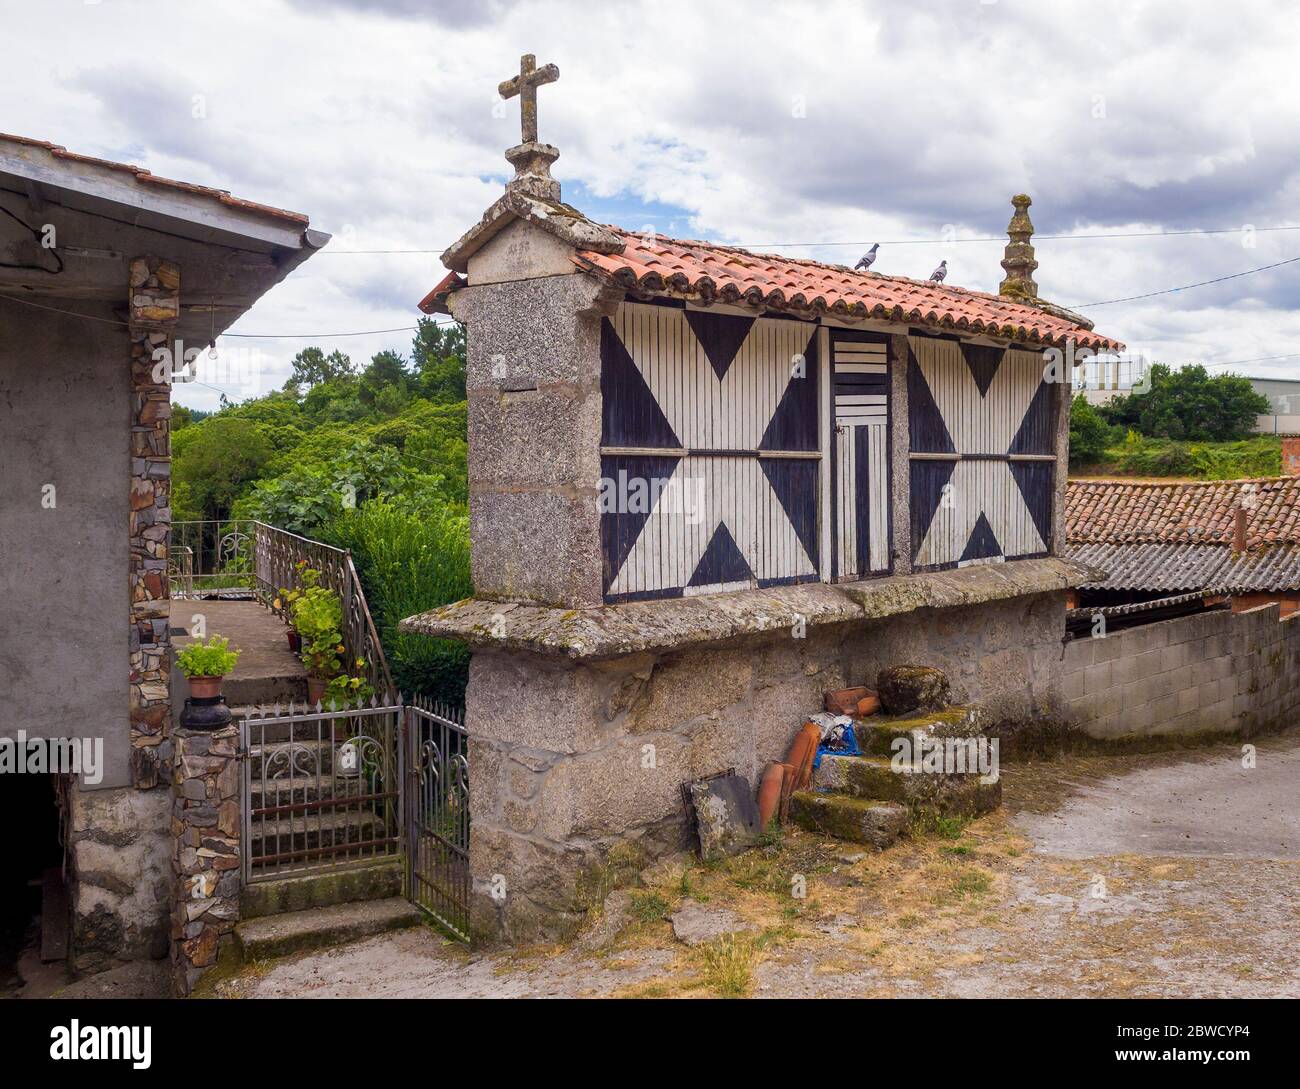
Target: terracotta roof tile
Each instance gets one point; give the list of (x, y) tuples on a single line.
[(146, 177), (1199, 512), (656, 265)]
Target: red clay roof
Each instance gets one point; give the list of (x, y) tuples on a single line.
[(142, 175), (1201, 512), (656, 265)]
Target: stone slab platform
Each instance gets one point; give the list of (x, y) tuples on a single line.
[(610, 631), (315, 928)]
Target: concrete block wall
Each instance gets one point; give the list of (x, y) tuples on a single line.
[(1210, 672)]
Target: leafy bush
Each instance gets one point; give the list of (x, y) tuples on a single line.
[(1190, 405), (211, 659), (1089, 432), (410, 562)]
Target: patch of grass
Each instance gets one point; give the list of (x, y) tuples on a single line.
[(958, 849), (649, 907), (726, 966)]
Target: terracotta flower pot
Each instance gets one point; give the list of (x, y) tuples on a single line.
[(803, 752), (868, 705), (205, 688), (295, 641), (316, 689), (769, 794)]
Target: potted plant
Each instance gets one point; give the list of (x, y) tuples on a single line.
[(205, 664), (287, 597), (318, 618)]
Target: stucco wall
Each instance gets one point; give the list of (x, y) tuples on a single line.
[(1216, 671), (567, 760), (64, 410)]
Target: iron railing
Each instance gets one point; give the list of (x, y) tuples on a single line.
[(244, 558), (437, 814), (322, 789)]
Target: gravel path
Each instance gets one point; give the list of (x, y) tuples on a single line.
[(1168, 875)]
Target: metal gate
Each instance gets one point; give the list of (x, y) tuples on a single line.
[(321, 788), (437, 814), (328, 789)]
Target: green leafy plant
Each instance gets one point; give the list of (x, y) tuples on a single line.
[(317, 615), (211, 659), (343, 689)]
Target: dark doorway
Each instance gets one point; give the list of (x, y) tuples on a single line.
[(31, 880)]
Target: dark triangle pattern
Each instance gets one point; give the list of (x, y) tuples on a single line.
[(1035, 480), (794, 424), (929, 434), (621, 527), (982, 542), (1037, 432), (721, 562), (720, 335), (928, 479), (795, 485), (983, 361), (630, 415)]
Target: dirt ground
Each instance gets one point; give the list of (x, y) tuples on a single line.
[(1172, 875)]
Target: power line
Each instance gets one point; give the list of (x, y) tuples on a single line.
[(1187, 287), (902, 241)]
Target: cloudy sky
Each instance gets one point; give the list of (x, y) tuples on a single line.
[(810, 128)]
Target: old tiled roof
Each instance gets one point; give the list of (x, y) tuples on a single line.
[(1199, 512), (654, 265), (1163, 537), (145, 177), (1164, 568)]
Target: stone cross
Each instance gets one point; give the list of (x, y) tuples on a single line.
[(525, 86)]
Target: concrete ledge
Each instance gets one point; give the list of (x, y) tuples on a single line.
[(277, 935), (609, 631)]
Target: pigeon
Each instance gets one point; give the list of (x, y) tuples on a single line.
[(938, 274), (867, 259)]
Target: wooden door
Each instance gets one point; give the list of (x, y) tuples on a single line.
[(860, 444)]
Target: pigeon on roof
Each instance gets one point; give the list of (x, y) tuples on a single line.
[(938, 274), (867, 259)]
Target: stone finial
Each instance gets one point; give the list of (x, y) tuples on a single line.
[(530, 158), (1018, 260)]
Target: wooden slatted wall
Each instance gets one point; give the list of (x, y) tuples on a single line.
[(982, 423), (720, 413)]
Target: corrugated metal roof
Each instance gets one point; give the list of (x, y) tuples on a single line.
[(1184, 567)]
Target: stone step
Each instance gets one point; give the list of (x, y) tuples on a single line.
[(859, 820), (305, 832), (877, 734), (874, 778), (279, 688), (376, 881), (318, 927), (304, 788)]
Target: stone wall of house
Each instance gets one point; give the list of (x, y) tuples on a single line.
[(611, 742), (1210, 672), (120, 846)]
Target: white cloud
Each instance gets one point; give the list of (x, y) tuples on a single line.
[(791, 122)]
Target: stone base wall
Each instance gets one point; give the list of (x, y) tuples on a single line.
[(120, 850), (576, 768), (1214, 672)]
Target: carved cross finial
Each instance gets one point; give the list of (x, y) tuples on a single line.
[(525, 86)]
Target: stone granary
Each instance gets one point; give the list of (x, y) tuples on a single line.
[(107, 273), (706, 487)]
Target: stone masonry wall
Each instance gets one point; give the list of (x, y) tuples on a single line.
[(119, 844), (1215, 671), (616, 740)]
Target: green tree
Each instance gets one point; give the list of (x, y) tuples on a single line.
[(1189, 404), (438, 355), (215, 460), (1089, 433), (386, 373), (312, 366)]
